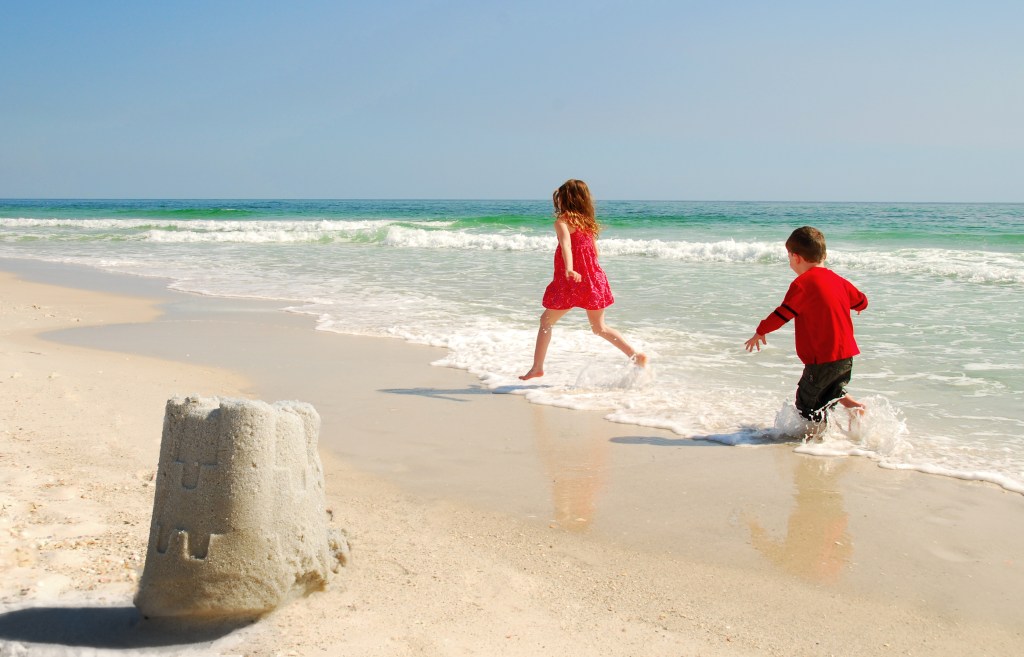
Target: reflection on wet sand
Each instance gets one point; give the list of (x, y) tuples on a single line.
[(575, 461), (817, 545)]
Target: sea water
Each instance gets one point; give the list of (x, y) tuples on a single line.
[(942, 362)]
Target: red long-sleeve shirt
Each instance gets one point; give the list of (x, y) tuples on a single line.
[(820, 301)]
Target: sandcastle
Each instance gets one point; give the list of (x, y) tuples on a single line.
[(239, 524)]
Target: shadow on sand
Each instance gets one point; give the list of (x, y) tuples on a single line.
[(439, 393), (663, 442), (105, 627), (745, 436)]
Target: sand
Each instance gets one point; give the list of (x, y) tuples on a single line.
[(479, 524)]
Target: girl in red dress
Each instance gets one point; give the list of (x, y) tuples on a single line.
[(579, 281)]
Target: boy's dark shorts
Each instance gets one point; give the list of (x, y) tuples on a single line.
[(821, 386)]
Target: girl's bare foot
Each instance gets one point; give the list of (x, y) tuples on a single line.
[(532, 374), (639, 359)]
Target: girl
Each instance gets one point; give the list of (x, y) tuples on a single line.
[(579, 282)]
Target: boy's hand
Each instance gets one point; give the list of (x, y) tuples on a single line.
[(755, 341)]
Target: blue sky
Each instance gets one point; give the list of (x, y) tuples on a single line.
[(711, 100)]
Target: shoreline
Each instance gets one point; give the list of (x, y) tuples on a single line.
[(585, 524)]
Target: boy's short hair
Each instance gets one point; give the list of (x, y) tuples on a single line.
[(808, 243)]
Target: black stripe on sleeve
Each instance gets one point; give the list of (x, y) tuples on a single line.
[(782, 317), (792, 312)]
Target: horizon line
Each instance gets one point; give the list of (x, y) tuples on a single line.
[(494, 199)]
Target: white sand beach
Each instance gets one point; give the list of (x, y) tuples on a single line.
[(479, 524)]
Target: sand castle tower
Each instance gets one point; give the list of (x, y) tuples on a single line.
[(239, 524)]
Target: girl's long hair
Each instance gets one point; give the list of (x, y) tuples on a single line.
[(574, 206)]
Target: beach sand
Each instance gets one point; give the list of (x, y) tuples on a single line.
[(479, 524)]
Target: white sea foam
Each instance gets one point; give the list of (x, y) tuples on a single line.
[(935, 344), (247, 237), (403, 237), (198, 231), (719, 251), (882, 435), (965, 265), (971, 266)]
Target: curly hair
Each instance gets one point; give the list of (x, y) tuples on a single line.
[(574, 206)]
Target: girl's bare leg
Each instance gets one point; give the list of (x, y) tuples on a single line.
[(547, 321), (598, 326)]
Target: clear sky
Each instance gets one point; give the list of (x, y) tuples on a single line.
[(894, 100)]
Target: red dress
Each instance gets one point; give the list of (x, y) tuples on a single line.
[(591, 293)]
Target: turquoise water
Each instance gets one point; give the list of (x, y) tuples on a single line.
[(942, 367)]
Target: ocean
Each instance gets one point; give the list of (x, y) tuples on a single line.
[(942, 362)]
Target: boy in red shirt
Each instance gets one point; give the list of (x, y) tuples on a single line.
[(820, 301)]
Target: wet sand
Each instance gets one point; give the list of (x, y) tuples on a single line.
[(480, 524)]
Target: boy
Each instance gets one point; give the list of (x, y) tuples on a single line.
[(820, 300)]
